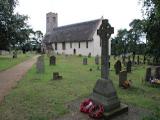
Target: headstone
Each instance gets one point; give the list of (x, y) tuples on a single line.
[(138, 60), (14, 54), (104, 93), (85, 61), (52, 60), (157, 72), (129, 67), (56, 76), (97, 60), (89, 55), (118, 66), (40, 64), (122, 77), (148, 74)]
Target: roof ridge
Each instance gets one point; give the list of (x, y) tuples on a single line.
[(79, 23)]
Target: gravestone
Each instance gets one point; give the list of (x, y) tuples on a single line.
[(89, 55), (104, 92), (40, 64), (97, 60), (52, 60), (122, 77), (138, 60), (118, 66), (56, 76), (148, 74), (157, 72), (14, 54), (85, 61), (129, 67)]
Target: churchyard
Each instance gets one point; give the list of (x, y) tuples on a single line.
[(38, 97), (7, 61)]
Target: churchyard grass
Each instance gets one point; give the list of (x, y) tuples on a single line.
[(6, 61), (38, 97)]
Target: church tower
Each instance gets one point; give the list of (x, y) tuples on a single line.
[(51, 21)]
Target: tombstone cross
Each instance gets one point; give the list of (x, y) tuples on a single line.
[(105, 32)]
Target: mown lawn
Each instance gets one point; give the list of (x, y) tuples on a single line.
[(6, 61), (37, 97)]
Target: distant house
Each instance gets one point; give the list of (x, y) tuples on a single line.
[(80, 38)]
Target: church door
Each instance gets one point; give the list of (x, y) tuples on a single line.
[(74, 51)]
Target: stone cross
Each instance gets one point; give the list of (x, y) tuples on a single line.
[(105, 32)]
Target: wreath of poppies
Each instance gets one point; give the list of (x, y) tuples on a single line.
[(93, 110)]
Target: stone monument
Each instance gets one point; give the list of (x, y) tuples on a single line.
[(122, 77), (52, 60), (104, 92), (84, 61), (97, 60), (40, 64)]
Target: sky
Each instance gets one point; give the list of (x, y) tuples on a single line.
[(119, 12)]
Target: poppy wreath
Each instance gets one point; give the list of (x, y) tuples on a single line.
[(96, 111), (86, 105)]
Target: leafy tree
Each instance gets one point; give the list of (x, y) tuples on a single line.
[(151, 11)]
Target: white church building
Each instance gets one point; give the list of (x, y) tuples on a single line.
[(78, 39)]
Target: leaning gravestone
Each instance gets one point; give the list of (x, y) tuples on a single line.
[(104, 92), (122, 77), (157, 72), (52, 60), (148, 74), (85, 61), (118, 66), (129, 66), (97, 60), (40, 64)]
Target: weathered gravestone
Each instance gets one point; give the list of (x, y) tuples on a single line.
[(129, 66), (148, 74), (40, 64), (56, 76), (157, 72), (97, 60), (104, 92), (122, 77), (52, 60), (14, 54), (118, 66), (85, 61)]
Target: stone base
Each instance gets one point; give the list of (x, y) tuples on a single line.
[(122, 109)]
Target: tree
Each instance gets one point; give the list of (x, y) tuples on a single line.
[(151, 10), (13, 27)]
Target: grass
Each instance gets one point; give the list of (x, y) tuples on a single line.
[(37, 97), (6, 61)]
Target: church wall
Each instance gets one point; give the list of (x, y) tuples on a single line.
[(75, 45)]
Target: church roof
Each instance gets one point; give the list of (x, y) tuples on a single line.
[(73, 33)]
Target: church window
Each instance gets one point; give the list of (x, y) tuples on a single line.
[(55, 46), (63, 46), (70, 44), (54, 19), (86, 44), (79, 45)]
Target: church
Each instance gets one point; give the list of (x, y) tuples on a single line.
[(74, 39)]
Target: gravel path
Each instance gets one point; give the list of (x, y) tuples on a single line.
[(9, 78)]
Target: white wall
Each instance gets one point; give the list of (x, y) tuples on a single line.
[(75, 45)]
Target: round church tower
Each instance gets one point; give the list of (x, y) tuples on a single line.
[(51, 21)]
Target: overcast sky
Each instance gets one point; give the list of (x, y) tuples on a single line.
[(119, 12)]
